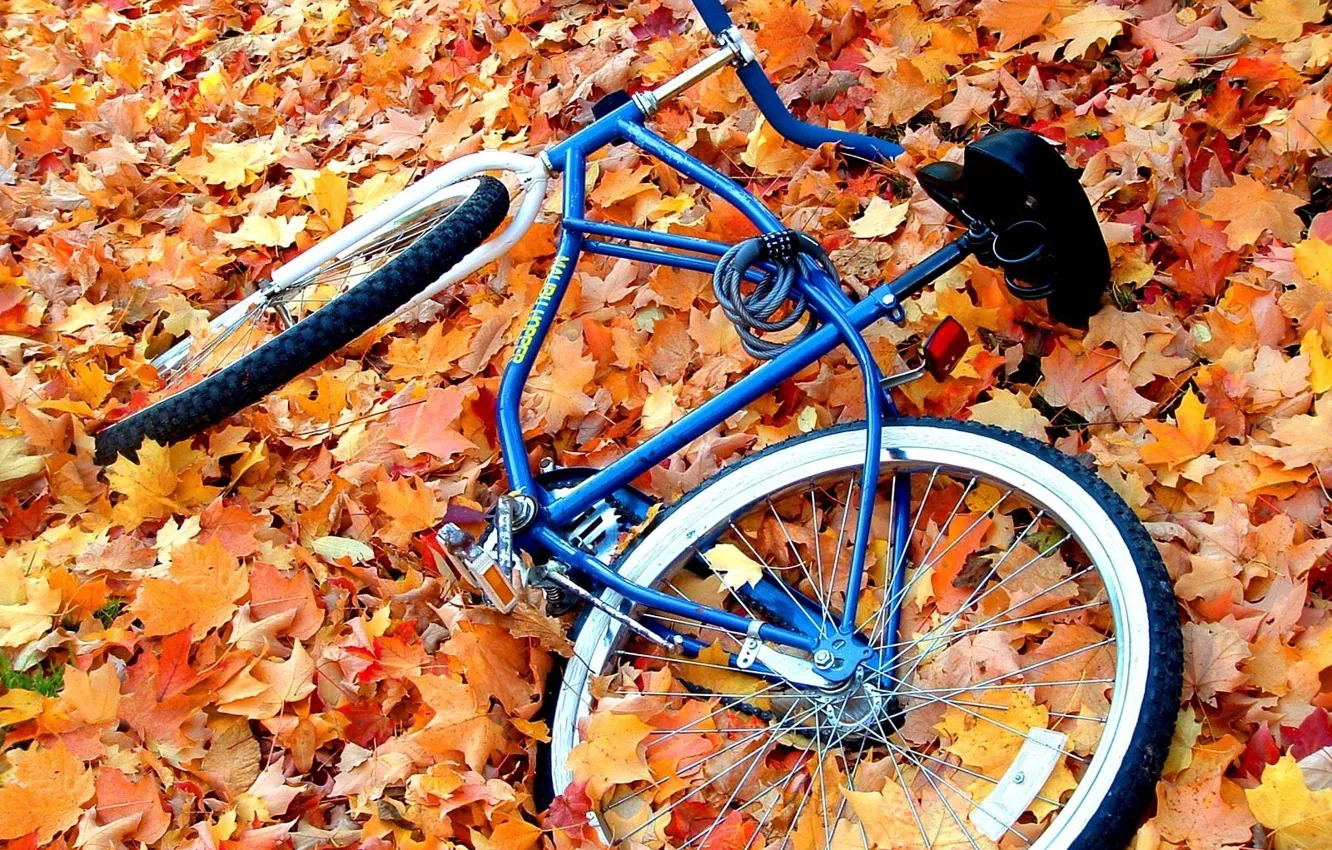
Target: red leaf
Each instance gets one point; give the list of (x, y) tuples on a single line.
[(1310, 736), (569, 810), (1261, 751), (174, 675)]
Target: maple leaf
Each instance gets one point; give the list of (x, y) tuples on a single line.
[(1192, 435), (785, 32), (1019, 20), (496, 663), (232, 164), (44, 793), (1313, 257), (119, 797), (1307, 439), (1201, 808), (1128, 332), (768, 152), (1299, 819), (269, 231), (558, 393), (15, 461), (200, 593), (1251, 208), (612, 753), (1089, 26), (428, 354), (970, 103), (400, 133), (410, 505), (92, 697), (1284, 20), (887, 815), (272, 593), (28, 605), (1212, 655), (461, 721), (423, 426), (1010, 410), (735, 567), (163, 481), (881, 218), (329, 191)]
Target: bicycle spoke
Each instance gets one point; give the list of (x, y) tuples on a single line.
[(1016, 571)]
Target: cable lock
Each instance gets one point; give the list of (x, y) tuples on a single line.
[(776, 256)]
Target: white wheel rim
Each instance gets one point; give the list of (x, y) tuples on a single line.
[(1036, 479)]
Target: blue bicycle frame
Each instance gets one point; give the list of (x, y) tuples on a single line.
[(842, 321)]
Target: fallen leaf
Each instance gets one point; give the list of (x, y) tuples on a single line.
[(44, 793)]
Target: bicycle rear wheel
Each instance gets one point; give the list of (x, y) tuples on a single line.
[(277, 333), (1027, 700)]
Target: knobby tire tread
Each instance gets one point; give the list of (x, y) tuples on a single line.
[(315, 337), (1117, 819)]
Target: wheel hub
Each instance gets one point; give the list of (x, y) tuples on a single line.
[(857, 711)]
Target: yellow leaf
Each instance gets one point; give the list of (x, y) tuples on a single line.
[(19, 705), (378, 189), (768, 153), (1320, 364), (44, 793), (612, 753), (330, 196), (886, 815), (1090, 25), (880, 218), (735, 568), (986, 746), (716, 672), (161, 482), (89, 382), (1019, 20), (28, 605), (1284, 20), (270, 231), (660, 408), (1299, 819), (15, 462), (1013, 411), (233, 164), (1313, 257)]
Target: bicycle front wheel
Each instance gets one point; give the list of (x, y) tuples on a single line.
[(241, 360), (1027, 699)]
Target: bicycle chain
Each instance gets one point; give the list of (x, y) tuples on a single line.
[(737, 704)]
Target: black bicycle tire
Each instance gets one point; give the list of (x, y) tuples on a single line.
[(281, 359), (1121, 810)]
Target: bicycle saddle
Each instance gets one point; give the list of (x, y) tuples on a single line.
[(1047, 238)]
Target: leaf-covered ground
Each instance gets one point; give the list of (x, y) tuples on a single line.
[(194, 654)]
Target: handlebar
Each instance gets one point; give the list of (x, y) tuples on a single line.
[(751, 74)]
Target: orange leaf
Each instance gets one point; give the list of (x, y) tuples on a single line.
[(612, 753), (119, 797), (205, 582), (45, 793), (1191, 435)]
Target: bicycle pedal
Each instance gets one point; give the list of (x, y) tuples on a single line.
[(484, 568)]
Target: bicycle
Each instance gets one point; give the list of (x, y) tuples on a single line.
[(832, 620)]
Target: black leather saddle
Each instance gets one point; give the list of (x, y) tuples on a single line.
[(1046, 237)]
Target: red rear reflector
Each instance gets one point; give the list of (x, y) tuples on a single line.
[(945, 347)]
